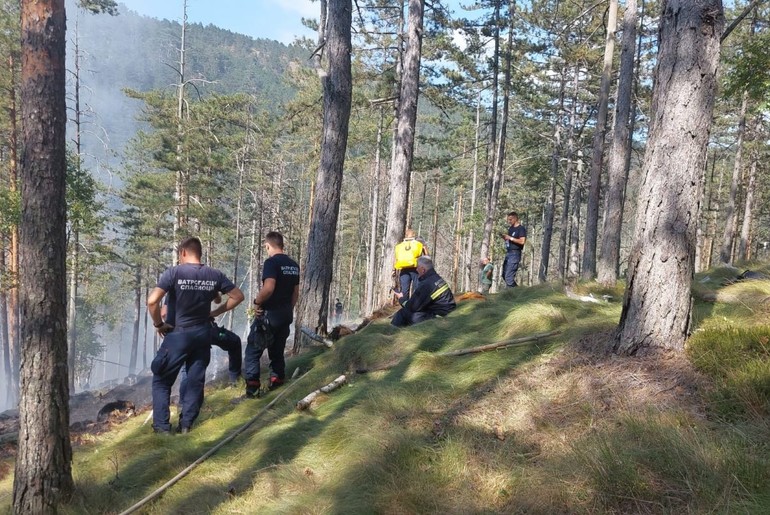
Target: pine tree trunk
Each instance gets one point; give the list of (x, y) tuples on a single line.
[(371, 263), (404, 149), (573, 271), (743, 244), (456, 251), (434, 237), (14, 338), (137, 319), (569, 173), (597, 157), (238, 230), (146, 331), (731, 220), (486, 233), (712, 207), (470, 265), (620, 149), (550, 206), (180, 186), (72, 307), (43, 474), (72, 328), (9, 389), (657, 302), (313, 305)]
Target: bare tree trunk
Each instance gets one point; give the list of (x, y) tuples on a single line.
[(318, 55), (743, 245), (620, 149), (43, 473), (550, 206), (137, 318), (423, 196), (470, 265), (456, 251), (700, 222), (731, 221), (72, 308), (597, 157), (75, 256), (238, 230), (574, 251), (371, 263), (313, 305), (351, 275), (146, 329), (434, 238), (180, 187), (657, 304), (9, 399), (402, 162), (711, 209), (569, 172), (494, 179)]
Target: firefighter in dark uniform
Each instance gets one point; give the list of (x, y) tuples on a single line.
[(223, 338), (191, 287), (432, 297), (274, 313)]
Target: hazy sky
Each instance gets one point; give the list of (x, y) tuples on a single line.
[(271, 19)]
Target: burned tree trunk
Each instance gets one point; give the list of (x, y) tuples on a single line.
[(656, 306)]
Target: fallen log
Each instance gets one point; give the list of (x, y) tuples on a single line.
[(491, 346), (582, 298), (501, 344), (308, 399)]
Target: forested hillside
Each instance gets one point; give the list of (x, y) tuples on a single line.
[(130, 51)]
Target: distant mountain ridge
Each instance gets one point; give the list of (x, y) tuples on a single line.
[(142, 53)]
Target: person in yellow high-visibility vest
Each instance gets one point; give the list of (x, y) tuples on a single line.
[(405, 263)]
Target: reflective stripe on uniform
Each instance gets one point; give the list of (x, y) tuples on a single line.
[(438, 292)]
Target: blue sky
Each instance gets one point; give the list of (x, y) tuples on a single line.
[(272, 19)]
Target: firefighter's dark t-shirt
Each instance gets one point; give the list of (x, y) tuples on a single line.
[(191, 288), (285, 271)]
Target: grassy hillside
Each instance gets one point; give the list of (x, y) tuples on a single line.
[(556, 427)]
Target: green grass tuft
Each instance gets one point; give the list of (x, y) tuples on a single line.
[(737, 358)]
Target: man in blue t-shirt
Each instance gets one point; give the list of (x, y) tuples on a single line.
[(514, 243), (190, 286), (274, 310)]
